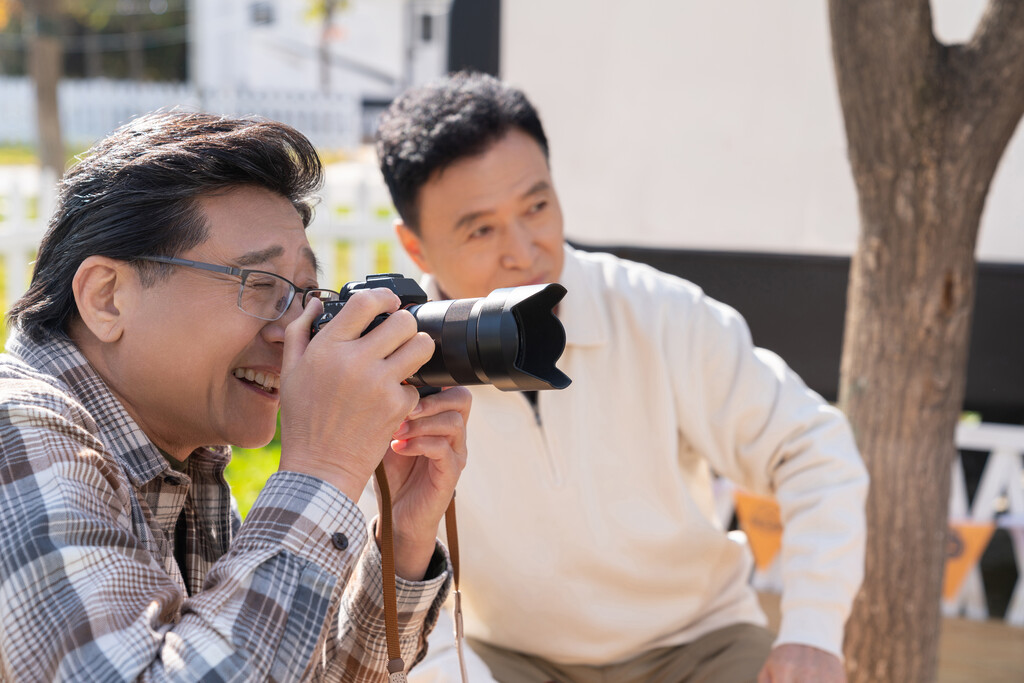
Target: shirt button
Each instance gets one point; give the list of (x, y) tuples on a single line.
[(339, 540)]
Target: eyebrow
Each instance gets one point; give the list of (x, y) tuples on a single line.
[(466, 219), (538, 187), (260, 256)]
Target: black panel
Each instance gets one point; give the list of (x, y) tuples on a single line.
[(474, 36), (795, 306)]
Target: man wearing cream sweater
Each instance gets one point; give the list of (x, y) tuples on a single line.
[(589, 544)]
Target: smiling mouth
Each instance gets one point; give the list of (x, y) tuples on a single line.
[(266, 381)]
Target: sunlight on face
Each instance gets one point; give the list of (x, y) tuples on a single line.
[(490, 221), (218, 369)]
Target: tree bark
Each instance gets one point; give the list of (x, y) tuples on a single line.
[(926, 126), (46, 64)]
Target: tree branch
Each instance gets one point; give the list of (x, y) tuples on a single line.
[(885, 58), (995, 71)]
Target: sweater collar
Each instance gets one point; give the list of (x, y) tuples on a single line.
[(580, 311)]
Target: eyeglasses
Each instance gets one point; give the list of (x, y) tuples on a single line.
[(262, 295)]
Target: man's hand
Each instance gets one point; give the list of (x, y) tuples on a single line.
[(342, 396), (792, 663), (423, 465)]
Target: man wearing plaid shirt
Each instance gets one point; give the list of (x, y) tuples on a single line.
[(168, 318)]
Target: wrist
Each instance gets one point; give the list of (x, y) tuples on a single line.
[(349, 482), (412, 554)]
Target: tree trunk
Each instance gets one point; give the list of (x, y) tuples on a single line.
[(93, 57), (329, 7), (926, 126), (45, 58), (134, 48)]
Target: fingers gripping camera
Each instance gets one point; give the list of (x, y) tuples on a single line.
[(510, 338)]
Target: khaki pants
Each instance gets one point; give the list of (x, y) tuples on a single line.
[(734, 654)]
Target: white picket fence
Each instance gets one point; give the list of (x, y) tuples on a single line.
[(89, 109), (352, 230)]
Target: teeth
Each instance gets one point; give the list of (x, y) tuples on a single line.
[(266, 380)]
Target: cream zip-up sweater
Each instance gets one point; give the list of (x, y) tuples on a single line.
[(586, 528)]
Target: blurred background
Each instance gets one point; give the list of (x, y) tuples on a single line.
[(703, 138)]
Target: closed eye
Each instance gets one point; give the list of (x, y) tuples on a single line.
[(257, 281)]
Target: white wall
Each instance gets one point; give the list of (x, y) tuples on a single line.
[(711, 125)]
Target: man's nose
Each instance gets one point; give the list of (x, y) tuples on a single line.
[(518, 247), (274, 330)]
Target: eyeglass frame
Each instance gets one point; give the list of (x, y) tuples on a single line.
[(242, 274)]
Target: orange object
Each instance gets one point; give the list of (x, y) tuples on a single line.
[(759, 519), (964, 545)]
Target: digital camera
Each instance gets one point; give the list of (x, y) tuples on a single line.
[(509, 338)]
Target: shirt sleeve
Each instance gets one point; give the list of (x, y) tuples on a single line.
[(763, 428), (85, 600)]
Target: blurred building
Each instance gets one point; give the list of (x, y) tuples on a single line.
[(368, 49), (325, 66)]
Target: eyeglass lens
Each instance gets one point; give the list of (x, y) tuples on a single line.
[(322, 294), (264, 295)]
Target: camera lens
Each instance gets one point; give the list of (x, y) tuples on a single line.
[(510, 338)]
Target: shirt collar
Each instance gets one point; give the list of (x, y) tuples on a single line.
[(60, 358)]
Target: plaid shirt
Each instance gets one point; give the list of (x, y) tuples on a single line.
[(89, 587)]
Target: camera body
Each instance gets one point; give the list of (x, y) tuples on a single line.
[(510, 338), (407, 289)]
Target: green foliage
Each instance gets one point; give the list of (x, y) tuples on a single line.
[(17, 155), (110, 38), (21, 155), (249, 470)]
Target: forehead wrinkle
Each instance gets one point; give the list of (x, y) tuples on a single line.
[(465, 220)]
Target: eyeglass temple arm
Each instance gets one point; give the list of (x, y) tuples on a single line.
[(229, 270)]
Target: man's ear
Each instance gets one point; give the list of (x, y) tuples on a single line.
[(104, 290), (413, 245)]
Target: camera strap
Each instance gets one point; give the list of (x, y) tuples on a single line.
[(452, 534), (396, 665)]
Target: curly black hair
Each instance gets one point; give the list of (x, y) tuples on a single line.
[(428, 128)]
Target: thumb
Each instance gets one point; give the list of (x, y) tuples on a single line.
[(296, 335)]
